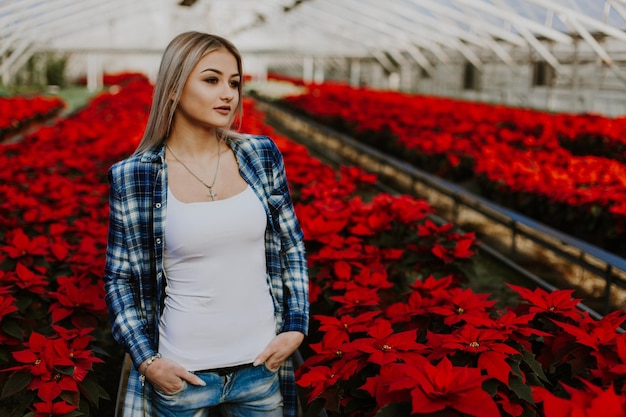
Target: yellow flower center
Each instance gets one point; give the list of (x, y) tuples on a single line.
[(474, 344), (460, 310), (386, 347)]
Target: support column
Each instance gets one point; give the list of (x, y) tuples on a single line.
[(94, 72), (308, 68), (355, 72)]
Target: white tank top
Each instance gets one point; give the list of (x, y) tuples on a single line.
[(218, 309)]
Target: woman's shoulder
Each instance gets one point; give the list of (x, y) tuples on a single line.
[(136, 161), (254, 143), (133, 169)]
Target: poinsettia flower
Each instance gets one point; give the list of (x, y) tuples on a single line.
[(356, 299), (339, 329), (486, 345), (597, 334), (558, 302), (20, 245), (378, 386), (445, 387), (319, 378), (7, 305), (49, 388), (405, 311), (372, 276), (457, 248), (519, 328), (383, 346), (52, 409), (429, 228), (463, 305), (408, 209), (28, 280), (76, 295), (317, 226), (590, 402), (610, 361), (433, 287)]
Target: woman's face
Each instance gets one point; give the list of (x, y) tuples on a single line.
[(211, 95)]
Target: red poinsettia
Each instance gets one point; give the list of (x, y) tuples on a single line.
[(76, 295), (593, 401), (20, 245), (559, 302), (52, 409), (28, 280), (382, 346), (487, 346), (439, 387), (339, 329), (463, 305)]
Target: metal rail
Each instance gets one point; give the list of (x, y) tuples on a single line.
[(593, 260)]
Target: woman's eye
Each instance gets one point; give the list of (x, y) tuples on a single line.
[(234, 84), (211, 80)]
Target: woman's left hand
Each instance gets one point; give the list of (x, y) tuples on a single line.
[(279, 349)]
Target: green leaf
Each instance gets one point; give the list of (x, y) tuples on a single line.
[(533, 364), (16, 383), (315, 407), (491, 386), (11, 328), (395, 410), (523, 391), (91, 390), (65, 370), (103, 393)]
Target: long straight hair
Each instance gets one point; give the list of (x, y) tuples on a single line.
[(179, 59)]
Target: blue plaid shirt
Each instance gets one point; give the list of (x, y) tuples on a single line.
[(134, 278)]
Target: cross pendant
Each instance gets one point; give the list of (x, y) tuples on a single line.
[(212, 195)]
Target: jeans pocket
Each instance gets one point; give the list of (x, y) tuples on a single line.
[(267, 368), (171, 394)]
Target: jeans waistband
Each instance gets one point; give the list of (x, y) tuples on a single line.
[(226, 370)]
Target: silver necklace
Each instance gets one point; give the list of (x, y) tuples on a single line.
[(211, 194)]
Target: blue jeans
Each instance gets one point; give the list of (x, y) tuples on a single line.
[(248, 392)]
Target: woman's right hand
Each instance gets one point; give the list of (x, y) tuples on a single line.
[(167, 376)]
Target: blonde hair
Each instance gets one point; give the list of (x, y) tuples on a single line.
[(179, 58)]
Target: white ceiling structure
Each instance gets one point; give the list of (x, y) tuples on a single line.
[(427, 31)]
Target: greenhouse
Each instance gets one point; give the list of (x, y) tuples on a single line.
[(313, 208)]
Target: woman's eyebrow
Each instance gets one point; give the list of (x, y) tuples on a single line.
[(219, 72)]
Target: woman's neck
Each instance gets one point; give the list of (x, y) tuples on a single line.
[(193, 143)]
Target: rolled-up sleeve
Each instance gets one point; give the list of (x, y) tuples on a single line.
[(293, 262), (122, 289)]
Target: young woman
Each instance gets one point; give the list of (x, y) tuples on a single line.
[(206, 276)]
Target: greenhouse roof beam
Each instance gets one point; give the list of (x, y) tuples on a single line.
[(581, 17), (392, 32), (324, 15), (485, 42), (52, 12), (398, 13), (516, 20), (541, 49), (335, 30), (17, 11), (82, 22), (22, 48), (617, 7), (479, 25)]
